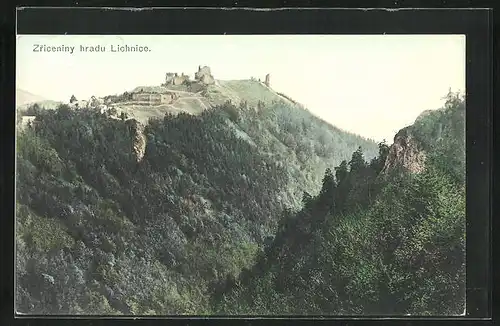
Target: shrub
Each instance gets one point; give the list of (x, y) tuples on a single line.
[(44, 234)]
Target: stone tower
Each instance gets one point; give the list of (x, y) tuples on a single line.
[(267, 82), (169, 77), (204, 75)]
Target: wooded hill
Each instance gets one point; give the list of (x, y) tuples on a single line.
[(100, 232)]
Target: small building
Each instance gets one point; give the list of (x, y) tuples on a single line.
[(79, 104), (146, 97), (150, 98), (94, 102), (27, 121)]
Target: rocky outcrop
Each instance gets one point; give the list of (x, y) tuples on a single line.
[(138, 139), (268, 80), (405, 153)]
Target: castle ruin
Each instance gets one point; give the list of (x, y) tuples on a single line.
[(151, 97), (175, 79), (268, 82), (169, 78), (204, 76)]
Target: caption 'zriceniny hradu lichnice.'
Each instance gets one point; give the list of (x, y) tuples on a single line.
[(90, 48)]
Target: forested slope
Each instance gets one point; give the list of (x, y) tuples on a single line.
[(101, 231), (371, 242)]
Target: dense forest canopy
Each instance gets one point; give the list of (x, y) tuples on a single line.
[(239, 210), (370, 243)]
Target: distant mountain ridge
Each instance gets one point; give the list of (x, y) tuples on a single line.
[(25, 97)]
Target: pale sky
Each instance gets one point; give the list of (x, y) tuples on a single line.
[(372, 85)]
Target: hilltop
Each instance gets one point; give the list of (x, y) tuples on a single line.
[(178, 94), (191, 102)]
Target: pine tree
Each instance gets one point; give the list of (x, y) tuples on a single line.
[(377, 163), (326, 197), (383, 150), (341, 172), (306, 199), (357, 162), (328, 184), (328, 181)]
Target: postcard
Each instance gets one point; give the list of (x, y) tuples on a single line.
[(231, 175)]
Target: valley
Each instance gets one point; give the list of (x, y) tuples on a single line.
[(222, 197)]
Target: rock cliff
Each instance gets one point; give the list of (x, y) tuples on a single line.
[(405, 153), (139, 139)]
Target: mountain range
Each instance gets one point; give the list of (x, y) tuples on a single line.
[(24, 99)]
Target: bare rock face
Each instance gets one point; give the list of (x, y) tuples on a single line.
[(405, 153), (139, 139), (268, 81)]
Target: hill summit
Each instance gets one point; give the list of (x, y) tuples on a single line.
[(179, 93)]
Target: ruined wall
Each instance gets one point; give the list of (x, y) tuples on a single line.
[(148, 98), (154, 98), (169, 77), (204, 75), (178, 80), (207, 79)]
